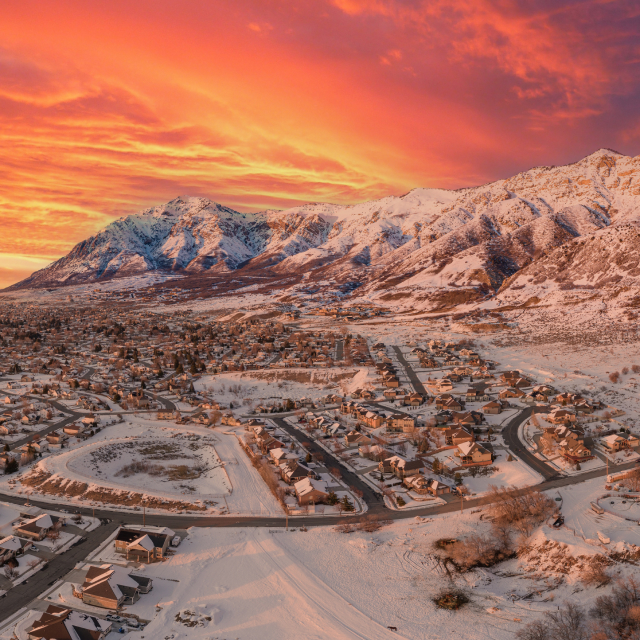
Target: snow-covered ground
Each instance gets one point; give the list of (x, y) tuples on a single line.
[(271, 584), (278, 384), (227, 476)]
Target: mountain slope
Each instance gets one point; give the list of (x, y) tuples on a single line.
[(417, 246)]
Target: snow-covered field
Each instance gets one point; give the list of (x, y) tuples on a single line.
[(278, 384), (163, 461), (271, 584), (180, 464)]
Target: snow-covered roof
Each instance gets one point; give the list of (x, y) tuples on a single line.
[(307, 485), (11, 543), (144, 542)]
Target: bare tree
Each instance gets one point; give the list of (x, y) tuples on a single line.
[(10, 572)]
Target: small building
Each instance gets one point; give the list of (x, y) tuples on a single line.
[(38, 527), (110, 586), (59, 623), (310, 491), (473, 454), (619, 441), (10, 547), (458, 435), (493, 407), (144, 544), (400, 467)]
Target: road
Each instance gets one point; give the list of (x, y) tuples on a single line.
[(57, 568), (415, 381), (371, 497), (53, 427), (61, 565), (510, 435)]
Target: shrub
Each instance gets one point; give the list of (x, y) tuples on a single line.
[(450, 599), (625, 371), (401, 501), (481, 551), (371, 523), (635, 368), (595, 574), (11, 466), (520, 509), (568, 623), (614, 377)]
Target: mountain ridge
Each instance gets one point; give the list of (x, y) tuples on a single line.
[(422, 243)]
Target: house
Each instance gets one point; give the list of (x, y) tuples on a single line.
[(354, 438), (467, 418), (473, 454), (423, 485), (10, 547), (400, 467), (144, 544), (56, 438), (90, 421), (74, 430), (401, 422), (574, 450), (58, 623), (292, 472), (413, 400), (511, 392), (472, 394), (310, 491), (110, 586), (494, 407), (280, 455), (447, 401), (619, 441), (458, 435), (38, 527), (560, 416)]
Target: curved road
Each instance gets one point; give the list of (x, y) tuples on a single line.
[(59, 566), (510, 435)]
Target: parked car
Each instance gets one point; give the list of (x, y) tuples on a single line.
[(176, 541)]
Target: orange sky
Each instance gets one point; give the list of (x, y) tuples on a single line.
[(107, 107)]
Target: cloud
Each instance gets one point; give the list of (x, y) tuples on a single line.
[(106, 108)]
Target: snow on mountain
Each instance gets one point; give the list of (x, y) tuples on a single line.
[(421, 247)]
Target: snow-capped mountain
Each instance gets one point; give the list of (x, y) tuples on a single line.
[(422, 246)]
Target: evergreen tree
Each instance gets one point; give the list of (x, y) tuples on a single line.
[(347, 504), (332, 497), (11, 466)]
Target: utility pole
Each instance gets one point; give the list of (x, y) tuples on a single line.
[(461, 503), (144, 513)]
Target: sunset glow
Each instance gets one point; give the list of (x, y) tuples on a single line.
[(107, 107)]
